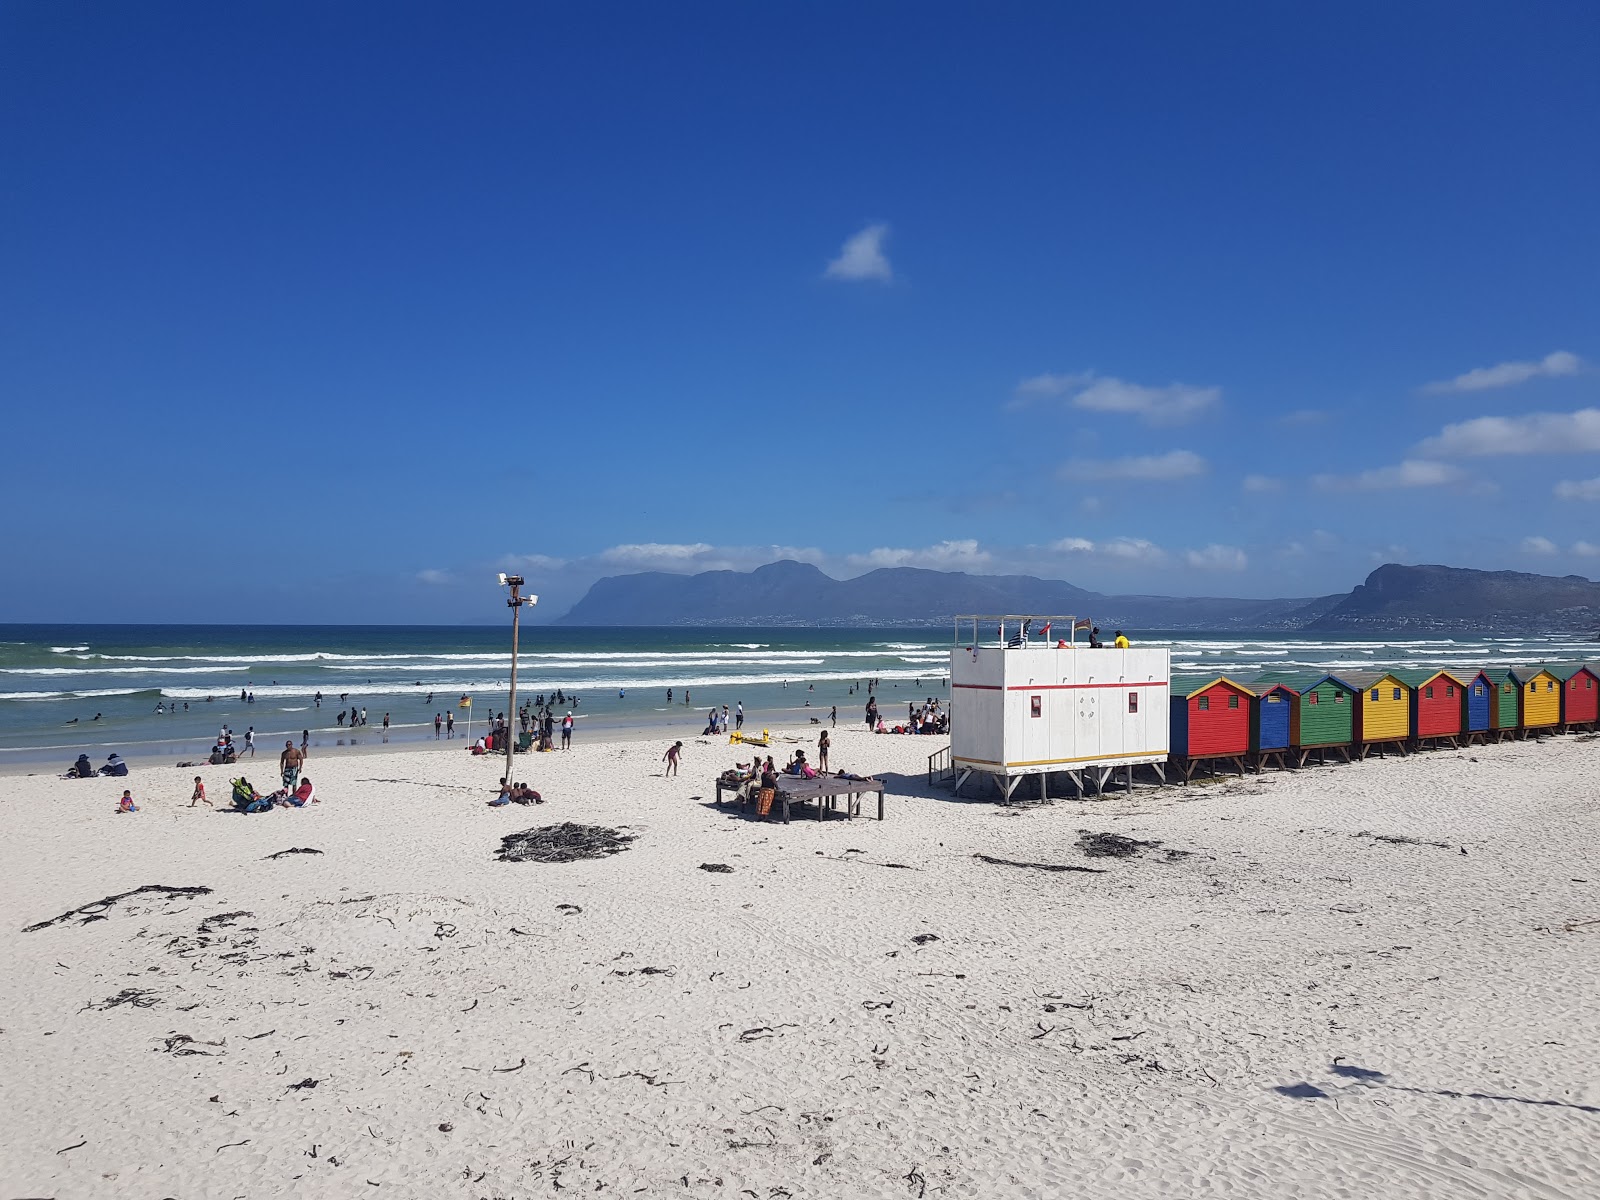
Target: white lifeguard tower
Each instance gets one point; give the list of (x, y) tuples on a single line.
[(1027, 698)]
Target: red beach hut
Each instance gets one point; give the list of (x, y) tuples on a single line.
[(1210, 721), (1580, 697), (1438, 705)]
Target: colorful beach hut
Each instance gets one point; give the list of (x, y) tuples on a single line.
[(1541, 698), (1580, 696), (1438, 706), (1210, 722), (1383, 711), (1271, 722), (1321, 713), (1479, 707), (1505, 705)]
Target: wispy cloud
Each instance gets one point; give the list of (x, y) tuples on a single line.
[(1586, 549), (434, 577), (1261, 483), (862, 257), (1121, 549), (1579, 489), (1506, 374), (1154, 468), (1535, 433), (1217, 558), (1538, 545), (1170, 405), (1409, 474), (942, 556), (530, 563), (1303, 416), (635, 554)]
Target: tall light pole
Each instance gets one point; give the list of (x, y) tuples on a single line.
[(515, 603)]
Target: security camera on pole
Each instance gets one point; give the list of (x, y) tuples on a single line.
[(515, 603)]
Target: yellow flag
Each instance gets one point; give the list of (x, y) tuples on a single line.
[(466, 702)]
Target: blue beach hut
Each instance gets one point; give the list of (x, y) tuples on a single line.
[(1270, 722), (1479, 706)]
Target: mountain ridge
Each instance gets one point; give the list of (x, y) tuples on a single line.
[(786, 592)]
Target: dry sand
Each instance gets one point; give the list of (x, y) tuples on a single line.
[(1291, 1007)]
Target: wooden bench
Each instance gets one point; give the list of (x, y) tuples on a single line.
[(794, 790)]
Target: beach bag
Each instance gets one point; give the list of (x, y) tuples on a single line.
[(764, 799), (243, 793)]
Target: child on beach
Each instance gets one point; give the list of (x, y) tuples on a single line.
[(199, 794), (671, 757), (126, 804)]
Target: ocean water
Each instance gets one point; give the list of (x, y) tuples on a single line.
[(96, 688)]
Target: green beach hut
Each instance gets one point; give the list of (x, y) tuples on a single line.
[(1321, 713)]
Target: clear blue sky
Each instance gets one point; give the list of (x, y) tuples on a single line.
[(326, 312)]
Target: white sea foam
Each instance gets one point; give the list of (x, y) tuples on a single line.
[(65, 649)]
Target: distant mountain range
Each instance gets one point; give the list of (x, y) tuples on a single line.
[(793, 593)]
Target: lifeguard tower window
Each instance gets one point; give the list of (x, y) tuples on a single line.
[(1036, 705), (1133, 702)]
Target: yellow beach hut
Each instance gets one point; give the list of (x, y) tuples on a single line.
[(1541, 698), (1383, 711)]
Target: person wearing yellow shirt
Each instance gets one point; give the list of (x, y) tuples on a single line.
[(1122, 641)]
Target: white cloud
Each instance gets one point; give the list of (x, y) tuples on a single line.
[(530, 562), (1134, 550), (1170, 405), (1261, 483), (1506, 374), (1121, 549), (434, 577), (942, 556), (1579, 489), (1217, 558), (1159, 468), (655, 554), (862, 257), (1585, 549), (1409, 474), (1538, 545), (1536, 433)]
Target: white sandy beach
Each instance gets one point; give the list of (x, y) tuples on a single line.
[(1293, 1007)]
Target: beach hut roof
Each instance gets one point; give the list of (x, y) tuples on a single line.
[(1298, 682), (1194, 689), (1565, 671), (1362, 680), (1415, 677), (1529, 672)]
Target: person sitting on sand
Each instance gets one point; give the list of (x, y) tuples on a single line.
[(126, 804), (114, 766), (199, 793), (296, 798), (305, 794), (82, 769)]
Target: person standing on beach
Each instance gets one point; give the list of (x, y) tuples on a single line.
[(438, 723), (250, 741), (385, 724), (289, 763), (199, 793), (566, 732), (724, 718), (738, 715), (305, 740), (671, 757), (450, 724), (833, 716), (822, 752)]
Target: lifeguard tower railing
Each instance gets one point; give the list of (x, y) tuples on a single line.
[(1016, 630)]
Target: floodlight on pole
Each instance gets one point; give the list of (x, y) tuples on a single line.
[(515, 602)]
